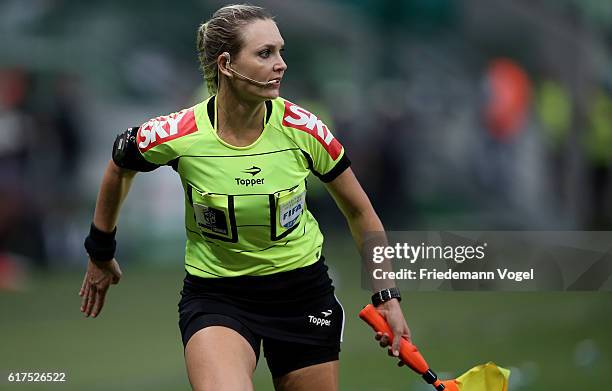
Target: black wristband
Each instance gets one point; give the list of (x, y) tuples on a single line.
[(385, 295), (101, 245)]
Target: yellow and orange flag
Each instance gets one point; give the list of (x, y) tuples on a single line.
[(485, 377)]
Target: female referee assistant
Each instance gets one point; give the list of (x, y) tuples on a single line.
[(255, 271)]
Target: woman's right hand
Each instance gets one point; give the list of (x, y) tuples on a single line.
[(98, 278)]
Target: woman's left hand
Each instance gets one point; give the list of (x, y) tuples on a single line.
[(392, 312)]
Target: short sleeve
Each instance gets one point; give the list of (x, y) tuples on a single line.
[(326, 156), (156, 137), (327, 161)]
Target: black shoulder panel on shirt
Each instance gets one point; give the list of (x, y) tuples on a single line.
[(126, 154)]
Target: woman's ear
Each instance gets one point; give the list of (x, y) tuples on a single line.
[(223, 63)]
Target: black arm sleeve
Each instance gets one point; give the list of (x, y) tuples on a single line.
[(126, 154)]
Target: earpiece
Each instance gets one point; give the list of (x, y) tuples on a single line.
[(240, 75)]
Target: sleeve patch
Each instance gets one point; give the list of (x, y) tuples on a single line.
[(165, 128), (298, 118)]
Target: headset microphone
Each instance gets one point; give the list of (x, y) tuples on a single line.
[(256, 82)]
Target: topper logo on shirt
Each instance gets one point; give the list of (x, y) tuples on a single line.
[(166, 128), (298, 118), (254, 170)]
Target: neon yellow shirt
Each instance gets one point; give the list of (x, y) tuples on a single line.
[(245, 207)]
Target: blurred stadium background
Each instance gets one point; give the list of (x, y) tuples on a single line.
[(463, 115)]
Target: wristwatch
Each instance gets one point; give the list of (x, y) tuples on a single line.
[(385, 295)]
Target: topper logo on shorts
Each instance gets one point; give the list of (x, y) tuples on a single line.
[(320, 321), (165, 128), (298, 118)]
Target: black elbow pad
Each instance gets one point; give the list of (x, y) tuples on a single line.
[(126, 153)]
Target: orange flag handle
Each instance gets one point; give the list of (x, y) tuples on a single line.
[(408, 352)]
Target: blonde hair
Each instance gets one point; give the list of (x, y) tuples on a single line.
[(221, 33)]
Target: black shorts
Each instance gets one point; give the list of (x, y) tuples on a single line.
[(295, 314)]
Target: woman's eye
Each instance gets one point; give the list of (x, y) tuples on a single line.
[(264, 53)]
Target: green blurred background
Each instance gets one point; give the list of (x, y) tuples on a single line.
[(457, 115)]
